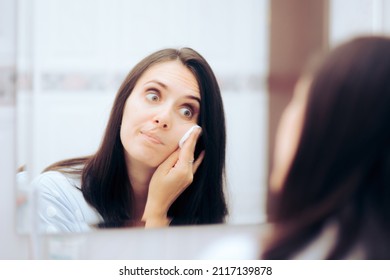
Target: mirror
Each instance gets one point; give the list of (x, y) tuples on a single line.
[(75, 55)]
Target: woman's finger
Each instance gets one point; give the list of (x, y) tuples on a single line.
[(170, 162), (187, 152)]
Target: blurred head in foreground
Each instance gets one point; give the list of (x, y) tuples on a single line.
[(332, 158)]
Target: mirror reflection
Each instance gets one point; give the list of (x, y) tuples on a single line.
[(81, 53)]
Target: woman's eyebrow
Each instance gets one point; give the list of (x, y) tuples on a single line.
[(157, 82), (193, 98), (164, 86)]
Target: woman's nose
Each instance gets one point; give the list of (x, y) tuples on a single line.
[(160, 123), (162, 119)]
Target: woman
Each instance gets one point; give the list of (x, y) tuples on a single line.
[(139, 176), (331, 176)]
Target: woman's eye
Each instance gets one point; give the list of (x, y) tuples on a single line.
[(186, 112), (153, 97)]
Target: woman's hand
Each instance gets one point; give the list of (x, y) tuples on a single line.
[(169, 180)]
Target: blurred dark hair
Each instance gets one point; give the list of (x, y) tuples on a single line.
[(105, 183), (341, 170)]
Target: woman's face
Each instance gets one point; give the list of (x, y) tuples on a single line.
[(163, 105), (288, 134)]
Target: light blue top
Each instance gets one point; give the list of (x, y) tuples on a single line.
[(59, 205)]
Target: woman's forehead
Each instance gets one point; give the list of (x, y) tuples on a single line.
[(171, 74)]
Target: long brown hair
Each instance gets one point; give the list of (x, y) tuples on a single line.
[(105, 183), (341, 170)]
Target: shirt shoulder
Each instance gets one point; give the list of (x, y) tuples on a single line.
[(59, 205)]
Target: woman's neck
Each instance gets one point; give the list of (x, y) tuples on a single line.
[(139, 176)]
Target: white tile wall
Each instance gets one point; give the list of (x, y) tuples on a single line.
[(349, 18)]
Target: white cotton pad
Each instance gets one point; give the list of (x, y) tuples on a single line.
[(186, 135)]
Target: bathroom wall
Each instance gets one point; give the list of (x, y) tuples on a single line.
[(12, 245)]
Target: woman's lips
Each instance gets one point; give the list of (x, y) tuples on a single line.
[(152, 137)]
